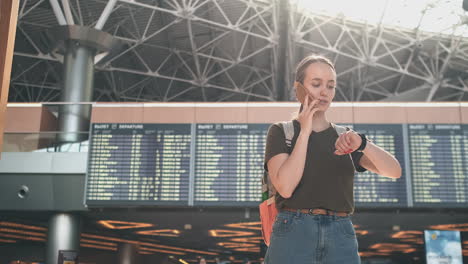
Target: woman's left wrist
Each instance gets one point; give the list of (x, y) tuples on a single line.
[(364, 142)]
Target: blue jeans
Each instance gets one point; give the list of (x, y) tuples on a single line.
[(300, 238)]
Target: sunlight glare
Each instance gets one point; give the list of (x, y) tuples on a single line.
[(431, 15)]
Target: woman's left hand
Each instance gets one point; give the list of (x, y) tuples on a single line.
[(347, 143)]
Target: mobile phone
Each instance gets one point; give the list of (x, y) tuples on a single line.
[(301, 93)]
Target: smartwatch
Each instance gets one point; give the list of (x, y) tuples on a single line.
[(364, 140)]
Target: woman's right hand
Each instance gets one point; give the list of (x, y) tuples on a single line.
[(305, 117)]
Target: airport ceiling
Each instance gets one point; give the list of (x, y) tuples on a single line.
[(239, 50)]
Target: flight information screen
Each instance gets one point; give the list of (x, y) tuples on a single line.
[(222, 165), (229, 163), (139, 164), (371, 189), (439, 164)]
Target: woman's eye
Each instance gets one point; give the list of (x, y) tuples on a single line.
[(316, 84), (331, 87)]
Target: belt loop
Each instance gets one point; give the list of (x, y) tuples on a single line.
[(298, 212)]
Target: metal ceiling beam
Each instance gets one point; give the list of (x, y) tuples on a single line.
[(181, 13), (67, 12), (58, 12), (281, 22), (186, 81), (24, 12), (105, 14), (402, 58)]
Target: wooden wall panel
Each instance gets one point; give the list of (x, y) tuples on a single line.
[(8, 19)]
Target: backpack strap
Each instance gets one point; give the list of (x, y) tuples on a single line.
[(340, 129), (288, 128)]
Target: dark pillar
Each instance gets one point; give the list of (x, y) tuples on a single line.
[(127, 254), (63, 234)]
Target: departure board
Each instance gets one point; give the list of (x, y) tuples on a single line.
[(222, 165), (229, 164), (138, 164), (439, 164), (371, 189)]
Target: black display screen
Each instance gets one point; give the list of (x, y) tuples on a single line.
[(439, 164), (371, 189), (222, 165), (229, 163), (139, 164)]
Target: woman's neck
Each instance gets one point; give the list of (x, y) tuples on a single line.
[(320, 121)]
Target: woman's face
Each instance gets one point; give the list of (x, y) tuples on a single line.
[(320, 82)]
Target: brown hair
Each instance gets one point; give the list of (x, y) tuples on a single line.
[(302, 66)]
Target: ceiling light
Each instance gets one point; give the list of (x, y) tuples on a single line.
[(113, 224), (228, 233)]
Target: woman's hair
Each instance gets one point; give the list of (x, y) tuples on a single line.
[(302, 66)]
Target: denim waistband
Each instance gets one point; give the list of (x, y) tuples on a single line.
[(298, 213)]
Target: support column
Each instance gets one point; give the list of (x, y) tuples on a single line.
[(79, 46), (127, 254), (63, 234), (77, 87)]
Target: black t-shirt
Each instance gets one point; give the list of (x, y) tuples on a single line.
[(328, 179)]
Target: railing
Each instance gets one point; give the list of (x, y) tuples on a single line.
[(43, 142)]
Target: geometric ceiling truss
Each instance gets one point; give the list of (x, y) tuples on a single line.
[(219, 50)]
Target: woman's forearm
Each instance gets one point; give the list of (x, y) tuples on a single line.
[(386, 164), (290, 173)]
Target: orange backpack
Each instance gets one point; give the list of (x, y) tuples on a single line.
[(268, 210)]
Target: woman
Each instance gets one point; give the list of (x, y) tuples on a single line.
[(314, 180)]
